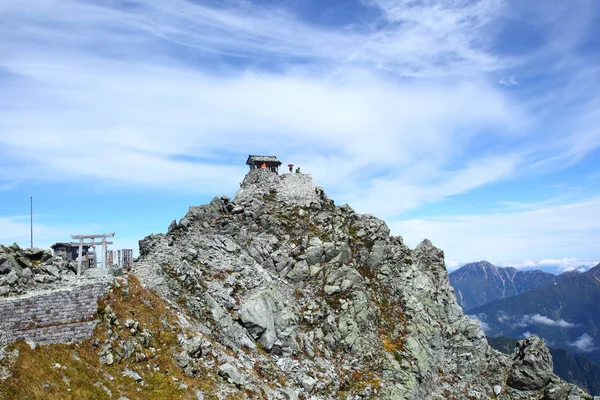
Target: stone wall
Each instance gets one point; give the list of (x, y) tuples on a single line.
[(59, 316), (293, 189)]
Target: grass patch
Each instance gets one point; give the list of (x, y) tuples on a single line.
[(36, 374)]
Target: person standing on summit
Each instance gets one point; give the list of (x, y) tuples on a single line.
[(290, 166)]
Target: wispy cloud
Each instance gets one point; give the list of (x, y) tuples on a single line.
[(584, 343), (17, 229), (510, 81), (502, 316), (172, 94), (564, 264), (523, 321), (554, 231), (543, 320), (141, 82)]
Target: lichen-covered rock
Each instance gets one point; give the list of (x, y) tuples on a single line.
[(532, 365)]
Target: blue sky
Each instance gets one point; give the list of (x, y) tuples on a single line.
[(472, 123)]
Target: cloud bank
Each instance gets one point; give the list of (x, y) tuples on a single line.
[(405, 109)]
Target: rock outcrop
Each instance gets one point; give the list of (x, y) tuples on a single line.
[(24, 269), (312, 300), (532, 365)]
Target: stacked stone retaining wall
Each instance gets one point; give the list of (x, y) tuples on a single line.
[(60, 316)]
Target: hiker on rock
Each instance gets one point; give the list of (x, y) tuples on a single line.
[(298, 170), (290, 166), (264, 166)]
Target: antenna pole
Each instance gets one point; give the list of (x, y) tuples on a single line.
[(31, 217)]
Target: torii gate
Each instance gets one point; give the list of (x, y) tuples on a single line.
[(102, 236)]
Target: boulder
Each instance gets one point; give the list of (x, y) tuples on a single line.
[(232, 374), (532, 365), (262, 314)]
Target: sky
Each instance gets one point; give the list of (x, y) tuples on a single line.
[(473, 123)]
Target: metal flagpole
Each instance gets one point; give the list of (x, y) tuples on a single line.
[(31, 217)]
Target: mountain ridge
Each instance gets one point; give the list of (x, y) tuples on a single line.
[(478, 283), (565, 313), (365, 293)]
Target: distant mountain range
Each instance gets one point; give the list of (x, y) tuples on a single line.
[(565, 313), (562, 309), (572, 368), (479, 283)]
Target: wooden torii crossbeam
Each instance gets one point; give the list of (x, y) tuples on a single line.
[(92, 238)]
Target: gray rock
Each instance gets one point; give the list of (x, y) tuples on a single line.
[(532, 365), (4, 266), (289, 394), (108, 359), (230, 329), (300, 272), (12, 278), (26, 273), (25, 263), (259, 313), (52, 270), (308, 383), (9, 264), (172, 226), (133, 375), (232, 374)]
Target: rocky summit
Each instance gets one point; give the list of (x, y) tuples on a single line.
[(284, 295)]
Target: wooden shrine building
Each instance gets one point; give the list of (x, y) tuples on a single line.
[(271, 163)]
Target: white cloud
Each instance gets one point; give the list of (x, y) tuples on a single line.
[(564, 264), (420, 39), (529, 319), (502, 317), (439, 36), (526, 334), (387, 115), (141, 110), (584, 343), (152, 115), (540, 319), (17, 229), (552, 231)]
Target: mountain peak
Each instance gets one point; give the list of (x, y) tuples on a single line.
[(478, 283), (282, 276), (483, 265), (595, 271)]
